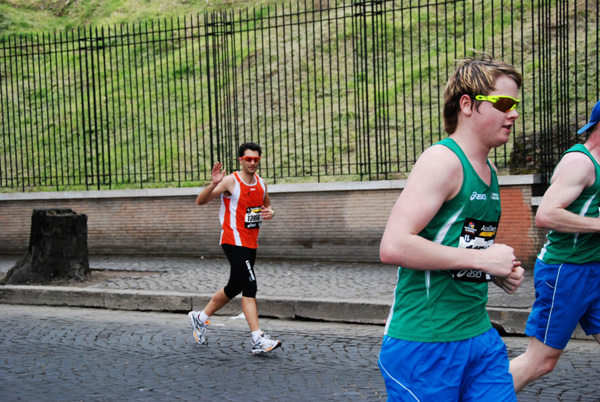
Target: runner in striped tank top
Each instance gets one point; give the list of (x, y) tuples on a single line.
[(244, 204)]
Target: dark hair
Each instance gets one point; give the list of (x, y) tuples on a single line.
[(251, 146), (473, 76)]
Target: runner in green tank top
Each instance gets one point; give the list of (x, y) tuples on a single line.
[(470, 221), (577, 248), (567, 271), (438, 343)]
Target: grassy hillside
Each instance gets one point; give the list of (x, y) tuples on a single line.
[(33, 16), (312, 93)]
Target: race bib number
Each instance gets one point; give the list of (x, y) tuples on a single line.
[(475, 234), (253, 217)]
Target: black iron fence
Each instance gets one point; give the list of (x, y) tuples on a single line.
[(332, 90)]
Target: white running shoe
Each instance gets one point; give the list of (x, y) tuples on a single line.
[(199, 326), (264, 344)]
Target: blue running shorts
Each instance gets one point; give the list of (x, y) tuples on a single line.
[(475, 369), (565, 294)]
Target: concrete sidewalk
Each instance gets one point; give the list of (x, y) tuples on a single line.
[(291, 289)]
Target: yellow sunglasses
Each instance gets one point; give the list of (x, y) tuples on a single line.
[(500, 102)]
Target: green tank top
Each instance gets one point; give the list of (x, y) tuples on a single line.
[(447, 306), (577, 248)]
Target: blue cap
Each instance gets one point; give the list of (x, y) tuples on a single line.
[(594, 119)]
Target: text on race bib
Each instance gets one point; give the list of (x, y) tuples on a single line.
[(253, 217)]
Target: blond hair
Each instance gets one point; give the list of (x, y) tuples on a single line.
[(473, 76)]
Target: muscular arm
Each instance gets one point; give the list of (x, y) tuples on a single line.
[(574, 173), (435, 178)]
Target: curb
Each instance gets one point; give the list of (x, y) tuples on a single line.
[(508, 321), (358, 311)]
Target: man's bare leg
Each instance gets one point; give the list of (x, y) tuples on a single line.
[(538, 360), (218, 300), (250, 309)]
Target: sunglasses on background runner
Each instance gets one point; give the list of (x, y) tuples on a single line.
[(251, 158), (500, 102)]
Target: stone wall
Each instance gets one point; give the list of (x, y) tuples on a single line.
[(337, 221)]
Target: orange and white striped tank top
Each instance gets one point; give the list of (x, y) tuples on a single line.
[(240, 213)]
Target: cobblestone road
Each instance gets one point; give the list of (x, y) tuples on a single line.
[(69, 354)]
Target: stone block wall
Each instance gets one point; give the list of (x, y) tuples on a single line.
[(335, 221)]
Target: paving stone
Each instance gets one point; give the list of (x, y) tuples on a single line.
[(58, 354)]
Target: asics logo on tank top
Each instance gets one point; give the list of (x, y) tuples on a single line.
[(471, 275), (475, 196), (479, 197)]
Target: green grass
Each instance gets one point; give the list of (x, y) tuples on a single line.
[(417, 50), (41, 16)]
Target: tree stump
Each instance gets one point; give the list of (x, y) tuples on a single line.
[(57, 249)]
